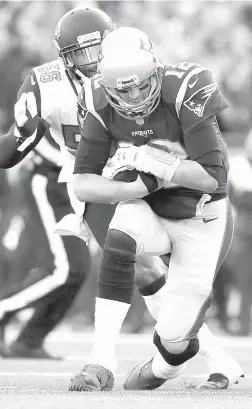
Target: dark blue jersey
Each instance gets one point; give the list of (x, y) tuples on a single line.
[(190, 97)]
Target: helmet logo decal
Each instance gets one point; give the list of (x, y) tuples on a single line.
[(130, 81), (57, 31), (197, 102), (86, 38)]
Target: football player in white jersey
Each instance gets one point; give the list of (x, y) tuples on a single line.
[(48, 102), (46, 107)]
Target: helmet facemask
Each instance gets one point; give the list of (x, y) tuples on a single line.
[(78, 36), (131, 76), (144, 105), (81, 58)]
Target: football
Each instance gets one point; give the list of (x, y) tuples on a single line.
[(128, 176)]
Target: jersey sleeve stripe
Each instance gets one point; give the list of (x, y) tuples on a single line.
[(90, 102), (28, 140), (183, 87)]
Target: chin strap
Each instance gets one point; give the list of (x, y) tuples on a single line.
[(74, 82)]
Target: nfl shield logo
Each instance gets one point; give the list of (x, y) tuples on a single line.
[(140, 121)]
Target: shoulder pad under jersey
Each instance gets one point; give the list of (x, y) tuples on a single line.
[(174, 76), (193, 92), (56, 92)]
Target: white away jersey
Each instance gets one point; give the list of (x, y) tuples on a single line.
[(53, 99)]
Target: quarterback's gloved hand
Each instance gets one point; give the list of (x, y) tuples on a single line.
[(156, 161), (148, 159), (122, 160)]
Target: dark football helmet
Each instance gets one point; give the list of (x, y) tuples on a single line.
[(78, 36)]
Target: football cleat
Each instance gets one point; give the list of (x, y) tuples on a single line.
[(92, 378), (142, 378), (225, 371), (217, 381)]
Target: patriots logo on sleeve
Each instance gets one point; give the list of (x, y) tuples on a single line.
[(197, 102)]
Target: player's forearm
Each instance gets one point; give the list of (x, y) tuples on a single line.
[(13, 149), (9, 155), (192, 175), (167, 167), (96, 188)]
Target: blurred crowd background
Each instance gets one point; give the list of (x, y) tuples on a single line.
[(217, 34)]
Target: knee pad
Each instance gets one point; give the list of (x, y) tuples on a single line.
[(177, 359), (117, 273)]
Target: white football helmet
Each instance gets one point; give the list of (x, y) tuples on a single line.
[(130, 73)]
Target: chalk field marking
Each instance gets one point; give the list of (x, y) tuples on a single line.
[(67, 374)]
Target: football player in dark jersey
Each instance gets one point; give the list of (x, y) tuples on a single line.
[(171, 153)]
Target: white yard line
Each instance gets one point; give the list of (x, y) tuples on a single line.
[(67, 374)]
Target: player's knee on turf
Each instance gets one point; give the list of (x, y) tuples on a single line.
[(117, 274), (176, 357)]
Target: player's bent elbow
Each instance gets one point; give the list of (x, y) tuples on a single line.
[(209, 185), (79, 195)]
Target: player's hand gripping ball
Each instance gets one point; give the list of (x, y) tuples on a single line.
[(120, 168)]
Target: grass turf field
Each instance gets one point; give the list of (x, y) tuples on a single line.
[(35, 384)]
